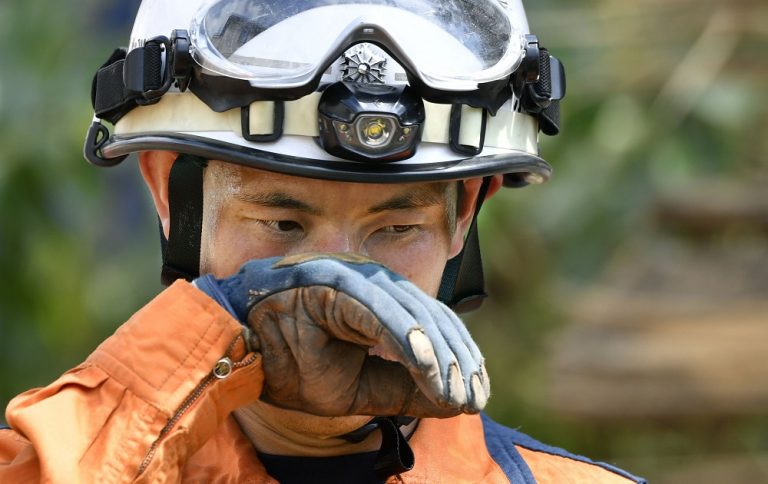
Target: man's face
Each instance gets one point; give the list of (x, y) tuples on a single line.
[(411, 228), (249, 213)]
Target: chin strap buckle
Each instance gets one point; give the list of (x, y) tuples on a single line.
[(395, 456)]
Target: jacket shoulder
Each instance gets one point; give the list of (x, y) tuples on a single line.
[(525, 459)]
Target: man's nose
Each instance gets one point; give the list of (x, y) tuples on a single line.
[(334, 241)]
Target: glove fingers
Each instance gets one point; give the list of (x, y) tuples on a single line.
[(315, 340), (299, 356), (463, 333), (450, 326), (312, 363), (478, 384), (453, 389), (267, 277), (398, 336), (468, 380), (377, 301), (278, 358), (471, 370), (470, 361), (413, 349), (387, 388)]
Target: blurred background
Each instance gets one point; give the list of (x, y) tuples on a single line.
[(628, 317)]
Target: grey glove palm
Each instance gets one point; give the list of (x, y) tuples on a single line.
[(320, 320)]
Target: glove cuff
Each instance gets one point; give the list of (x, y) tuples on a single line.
[(209, 285)]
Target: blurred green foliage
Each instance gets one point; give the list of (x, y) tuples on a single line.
[(70, 236), (660, 93)]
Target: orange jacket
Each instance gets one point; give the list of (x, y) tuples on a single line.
[(145, 407)]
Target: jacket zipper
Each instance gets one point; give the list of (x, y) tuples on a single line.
[(191, 399)]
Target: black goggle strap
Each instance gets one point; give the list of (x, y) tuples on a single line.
[(132, 79), (542, 92), (143, 75), (462, 287), (125, 81), (181, 251)]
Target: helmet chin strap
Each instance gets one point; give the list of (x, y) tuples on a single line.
[(181, 251), (462, 287)]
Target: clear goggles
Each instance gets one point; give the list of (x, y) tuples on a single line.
[(450, 45)]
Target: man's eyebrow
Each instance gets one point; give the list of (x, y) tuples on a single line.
[(277, 200), (417, 198)]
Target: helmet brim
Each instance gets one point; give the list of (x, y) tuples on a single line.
[(516, 166)]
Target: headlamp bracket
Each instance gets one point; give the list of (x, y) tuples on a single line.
[(278, 118), (454, 131)]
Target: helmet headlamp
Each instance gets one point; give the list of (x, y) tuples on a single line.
[(366, 122)]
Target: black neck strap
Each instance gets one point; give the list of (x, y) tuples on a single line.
[(463, 287), (181, 251)]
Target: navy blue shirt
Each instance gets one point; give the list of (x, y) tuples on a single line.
[(353, 468)]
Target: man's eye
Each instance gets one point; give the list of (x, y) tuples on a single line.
[(282, 225), (399, 229), (287, 225)]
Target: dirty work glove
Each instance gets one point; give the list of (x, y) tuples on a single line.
[(316, 318)]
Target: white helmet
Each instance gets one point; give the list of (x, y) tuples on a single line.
[(356, 90), (422, 89)]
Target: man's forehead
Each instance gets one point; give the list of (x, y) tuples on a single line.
[(247, 182)]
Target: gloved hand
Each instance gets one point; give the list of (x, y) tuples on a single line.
[(317, 319)]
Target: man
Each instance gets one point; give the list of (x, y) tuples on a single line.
[(317, 168)]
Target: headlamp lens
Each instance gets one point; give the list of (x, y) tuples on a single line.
[(375, 131)]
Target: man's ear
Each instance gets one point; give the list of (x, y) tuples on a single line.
[(466, 211), (155, 167)]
